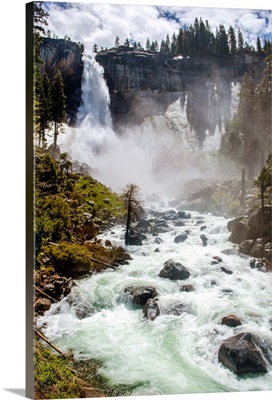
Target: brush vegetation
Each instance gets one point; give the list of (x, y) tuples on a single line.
[(70, 210)]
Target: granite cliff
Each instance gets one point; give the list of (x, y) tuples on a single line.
[(192, 97), (65, 56)]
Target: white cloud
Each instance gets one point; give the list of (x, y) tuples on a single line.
[(100, 23)]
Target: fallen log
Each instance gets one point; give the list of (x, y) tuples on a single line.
[(50, 344), (103, 263), (45, 294)]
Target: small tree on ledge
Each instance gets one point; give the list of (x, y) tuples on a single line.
[(134, 204)]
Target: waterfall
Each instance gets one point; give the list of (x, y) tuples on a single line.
[(94, 132)]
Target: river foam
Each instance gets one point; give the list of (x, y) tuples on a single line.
[(172, 354)]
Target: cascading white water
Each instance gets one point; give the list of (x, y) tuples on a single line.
[(172, 354), (140, 155), (94, 132)]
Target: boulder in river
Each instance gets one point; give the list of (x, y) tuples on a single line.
[(151, 309), (204, 239), (181, 238), (134, 241), (241, 354), (174, 271), (231, 320), (140, 294)]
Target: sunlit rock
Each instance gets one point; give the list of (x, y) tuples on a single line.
[(231, 320)]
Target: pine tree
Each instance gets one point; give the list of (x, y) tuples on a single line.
[(232, 40), (179, 45), (147, 46), (264, 109), (39, 19), (58, 106), (222, 47), (240, 41), (167, 44), (259, 46), (173, 44)]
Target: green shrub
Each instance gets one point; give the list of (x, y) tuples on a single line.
[(69, 259), (52, 219), (53, 380)]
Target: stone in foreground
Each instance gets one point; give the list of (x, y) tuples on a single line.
[(241, 354)]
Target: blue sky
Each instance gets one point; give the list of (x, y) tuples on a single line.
[(89, 22)]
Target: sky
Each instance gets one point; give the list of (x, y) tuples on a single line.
[(101, 23)]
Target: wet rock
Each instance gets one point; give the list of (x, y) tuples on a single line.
[(143, 226), (245, 246), (241, 354), (252, 263), (203, 227), (217, 258), (231, 320), (157, 250), (170, 215), (68, 286), (226, 270), (158, 240), (174, 271), (204, 240), (257, 251), (179, 223), (151, 309), (134, 241), (231, 252), (240, 231), (187, 288), (140, 294), (183, 215), (176, 309), (43, 304), (181, 238), (231, 224)]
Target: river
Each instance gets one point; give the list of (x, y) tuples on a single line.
[(174, 354)]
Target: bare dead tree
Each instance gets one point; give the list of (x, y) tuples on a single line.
[(134, 204)]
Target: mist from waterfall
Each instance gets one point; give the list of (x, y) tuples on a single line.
[(150, 155)]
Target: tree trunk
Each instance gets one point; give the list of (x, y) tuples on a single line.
[(262, 214), (128, 222), (242, 200), (55, 135)]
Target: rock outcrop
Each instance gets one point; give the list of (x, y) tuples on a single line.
[(157, 91), (65, 56), (144, 85)]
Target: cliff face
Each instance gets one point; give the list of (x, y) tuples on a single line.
[(204, 90), (190, 97), (66, 56)]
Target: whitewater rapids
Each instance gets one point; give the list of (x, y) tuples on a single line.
[(172, 354)]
